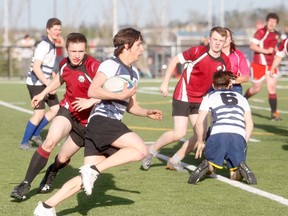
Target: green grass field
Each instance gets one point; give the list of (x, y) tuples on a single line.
[(127, 190)]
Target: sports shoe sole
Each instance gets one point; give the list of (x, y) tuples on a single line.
[(247, 174), (199, 172)]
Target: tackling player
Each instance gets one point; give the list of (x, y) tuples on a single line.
[(77, 72)]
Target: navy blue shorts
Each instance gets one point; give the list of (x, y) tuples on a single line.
[(225, 146)]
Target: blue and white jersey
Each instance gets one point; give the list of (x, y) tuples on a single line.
[(227, 108), (46, 53), (115, 109)]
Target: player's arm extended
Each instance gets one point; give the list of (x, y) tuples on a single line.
[(167, 76), (135, 109), (199, 128), (248, 124)]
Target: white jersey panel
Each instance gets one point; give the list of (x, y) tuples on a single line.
[(227, 109), (46, 53), (114, 109)]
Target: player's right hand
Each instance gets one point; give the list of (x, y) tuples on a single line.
[(164, 89), (35, 100)]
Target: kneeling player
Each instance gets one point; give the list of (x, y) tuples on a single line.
[(231, 128)]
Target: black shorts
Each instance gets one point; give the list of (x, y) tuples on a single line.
[(50, 99), (101, 132), (78, 130), (181, 108)]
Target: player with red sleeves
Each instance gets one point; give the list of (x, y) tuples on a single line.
[(280, 54), (264, 44), (77, 72), (201, 62)]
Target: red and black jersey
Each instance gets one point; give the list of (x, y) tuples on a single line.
[(78, 80), (196, 79)]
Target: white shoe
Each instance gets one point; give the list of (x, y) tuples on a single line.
[(40, 210), (88, 176)]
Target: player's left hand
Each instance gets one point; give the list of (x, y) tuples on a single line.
[(200, 147), (82, 103)]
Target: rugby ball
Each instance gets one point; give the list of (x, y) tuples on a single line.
[(116, 84)]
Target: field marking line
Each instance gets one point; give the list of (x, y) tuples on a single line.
[(9, 105)]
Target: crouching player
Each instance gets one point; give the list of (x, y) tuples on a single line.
[(231, 128)]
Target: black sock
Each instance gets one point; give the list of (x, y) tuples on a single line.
[(46, 206), (95, 168), (273, 102), (56, 166), (37, 163)]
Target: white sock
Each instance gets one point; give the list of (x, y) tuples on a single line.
[(153, 151), (176, 158)]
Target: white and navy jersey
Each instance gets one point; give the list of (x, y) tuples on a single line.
[(46, 53), (227, 108), (115, 109)]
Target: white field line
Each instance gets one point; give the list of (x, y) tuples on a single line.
[(15, 107)]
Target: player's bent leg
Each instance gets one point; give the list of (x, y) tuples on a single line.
[(70, 188)]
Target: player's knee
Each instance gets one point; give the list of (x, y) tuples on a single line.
[(179, 135), (48, 144), (143, 152)]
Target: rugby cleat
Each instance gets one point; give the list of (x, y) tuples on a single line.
[(199, 172), (37, 140), (176, 167), (146, 162), (47, 181), (40, 210), (88, 176), (20, 191), (246, 173)]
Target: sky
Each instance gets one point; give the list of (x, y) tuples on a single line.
[(77, 12)]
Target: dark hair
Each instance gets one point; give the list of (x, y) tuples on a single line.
[(53, 21), (222, 79), (272, 16), (76, 38), (232, 43), (125, 36), (219, 30)]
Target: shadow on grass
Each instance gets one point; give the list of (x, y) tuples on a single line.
[(99, 198), (285, 147), (271, 128), (189, 159)]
